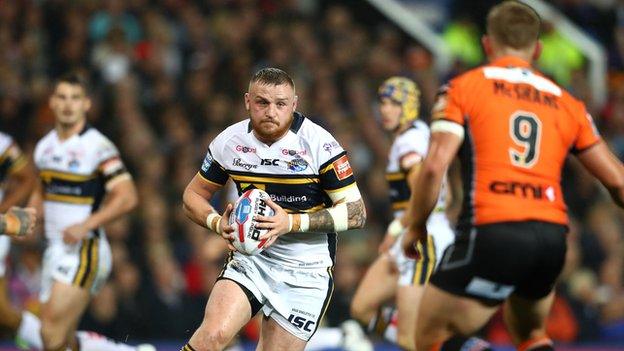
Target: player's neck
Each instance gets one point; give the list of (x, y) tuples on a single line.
[(66, 131), (401, 129), (511, 52)]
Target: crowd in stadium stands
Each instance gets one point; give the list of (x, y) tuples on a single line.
[(168, 75)]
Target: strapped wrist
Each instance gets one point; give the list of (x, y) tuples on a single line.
[(298, 222), (213, 222), (396, 228)]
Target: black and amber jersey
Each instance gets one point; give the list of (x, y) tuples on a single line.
[(11, 159), (408, 149), (75, 174), (300, 172)]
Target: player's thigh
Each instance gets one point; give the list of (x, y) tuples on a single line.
[(9, 316), (64, 308), (443, 314), (274, 337), (228, 308), (378, 286), (525, 318)]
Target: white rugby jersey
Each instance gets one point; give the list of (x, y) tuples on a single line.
[(11, 159), (75, 174), (297, 171), (409, 148)]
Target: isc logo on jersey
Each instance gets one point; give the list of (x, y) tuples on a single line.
[(246, 235)]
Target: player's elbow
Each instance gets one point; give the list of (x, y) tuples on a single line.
[(131, 201), (431, 169)]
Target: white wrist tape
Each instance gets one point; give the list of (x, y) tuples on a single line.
[(213, 222), (395, 228), (340, 215), (303, 222)]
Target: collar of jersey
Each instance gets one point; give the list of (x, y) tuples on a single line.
[(508, 61)]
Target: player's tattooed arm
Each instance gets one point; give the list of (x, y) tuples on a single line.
[(335, 218)]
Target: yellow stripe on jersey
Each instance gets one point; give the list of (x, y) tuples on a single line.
[(48, 174), (208, 180), (344, 188), (307, 210), (18, 165), (391, 177), (79, 200), (273, 180), (432, 257), (400, 205)]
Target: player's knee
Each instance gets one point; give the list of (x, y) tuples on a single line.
[(213, 339), (360, 311)]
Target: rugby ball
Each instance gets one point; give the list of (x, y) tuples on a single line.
[(246, 235)]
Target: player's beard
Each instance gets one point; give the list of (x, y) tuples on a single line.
[(273, 133)]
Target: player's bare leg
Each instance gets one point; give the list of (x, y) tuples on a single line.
[(275, 338), (526, 320), (408, 303), (60, 315), (227, 311), (10, 318), (442, 315), (379, 285)]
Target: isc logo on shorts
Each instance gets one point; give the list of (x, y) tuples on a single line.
[(489, 289)]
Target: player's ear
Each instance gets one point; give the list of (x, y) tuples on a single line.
[(247, 101), (537, 50), (295, 100), (88, 104), (487, 45)]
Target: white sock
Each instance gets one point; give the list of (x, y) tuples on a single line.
[(90, 341), (325, 338), (29, 331), (391, 332)]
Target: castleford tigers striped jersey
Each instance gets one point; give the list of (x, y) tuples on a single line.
[(518, 128), (409, 148), (75, 174), (300, 172), (11, 159)]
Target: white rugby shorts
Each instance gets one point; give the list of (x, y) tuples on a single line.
[(86, 264), (296, 298), (412, 272)]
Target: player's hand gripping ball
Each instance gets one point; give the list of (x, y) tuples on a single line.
[(246, 235)]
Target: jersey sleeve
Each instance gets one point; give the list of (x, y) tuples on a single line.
[(211, 169), (110, 165), (587, 135), (447, 114), (411, 148), (335, 171), (13, 159)]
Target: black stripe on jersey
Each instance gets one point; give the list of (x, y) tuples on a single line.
[(399, 188), (466, 156), (291, 197), (75, 187), (298, 119), (5, 165), (215, 173), (329, 177)]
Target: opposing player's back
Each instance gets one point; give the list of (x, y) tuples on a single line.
[(519, 127)]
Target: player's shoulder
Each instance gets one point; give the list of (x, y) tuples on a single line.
[(309, 130), (235, 130), (92, 137)]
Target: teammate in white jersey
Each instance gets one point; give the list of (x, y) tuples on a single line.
[(392, 274), (83, 185), (307, 174)]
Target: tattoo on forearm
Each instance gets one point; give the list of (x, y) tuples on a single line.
[(357, 214), (321, 221)]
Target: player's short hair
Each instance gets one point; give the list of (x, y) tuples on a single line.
[(272, 76), (73, 78), (514, 24)]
